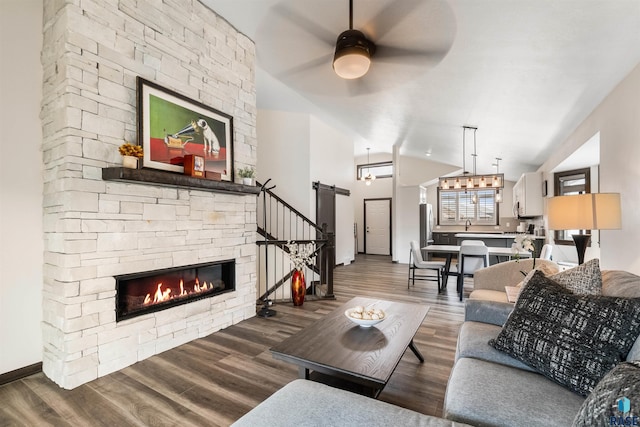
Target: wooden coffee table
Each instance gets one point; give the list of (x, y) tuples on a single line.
[(335, 348)]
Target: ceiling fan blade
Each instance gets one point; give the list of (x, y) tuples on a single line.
[(390, 16), (305, 24), (392, 54), (322, 61)]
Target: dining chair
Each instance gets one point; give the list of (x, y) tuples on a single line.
[(417, 263), (453, 268), (545, 252), (473, 256)]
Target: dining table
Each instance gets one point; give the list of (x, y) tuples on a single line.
[(448, 251)]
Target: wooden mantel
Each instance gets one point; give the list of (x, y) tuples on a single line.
[(170, 179)]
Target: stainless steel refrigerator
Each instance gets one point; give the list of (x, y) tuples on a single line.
[(426, 225)]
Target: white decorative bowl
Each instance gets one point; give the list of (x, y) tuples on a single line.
[(362, 322)]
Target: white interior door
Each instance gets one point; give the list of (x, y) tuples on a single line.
[(377, 227)]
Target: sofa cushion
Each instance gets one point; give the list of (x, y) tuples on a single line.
[(482, 393), (623, 284), (617, 283), (585, 279), (546, 269), (572, 339), (604, 402), (473, 341), (507, 273), (321, 405), (493, 312), (488, 295), (634, 353)]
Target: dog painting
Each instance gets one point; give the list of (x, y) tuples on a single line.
[(171, 126), (210, 138)]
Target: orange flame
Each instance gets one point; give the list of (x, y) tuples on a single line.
[(161, 295)]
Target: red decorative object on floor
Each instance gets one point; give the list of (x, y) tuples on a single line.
[(298, 287)]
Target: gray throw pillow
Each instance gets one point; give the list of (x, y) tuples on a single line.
[(585, 279), (572, 339), (616, 397)]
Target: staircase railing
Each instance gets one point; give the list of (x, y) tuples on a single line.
[(278, 224)]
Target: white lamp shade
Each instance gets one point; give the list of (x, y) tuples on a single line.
[(595, 211)]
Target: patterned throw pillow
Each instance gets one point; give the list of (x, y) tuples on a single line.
[(572, 339), (585, 279), (546, 269), (617, 396)]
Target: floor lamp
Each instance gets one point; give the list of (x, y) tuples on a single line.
[(593, 211)]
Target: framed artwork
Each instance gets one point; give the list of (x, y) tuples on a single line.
[(171, 126)]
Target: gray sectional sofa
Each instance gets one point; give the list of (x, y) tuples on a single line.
[(488, 387), (309, 404)]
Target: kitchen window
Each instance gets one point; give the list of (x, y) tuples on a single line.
[(569, 183), (456, 207)]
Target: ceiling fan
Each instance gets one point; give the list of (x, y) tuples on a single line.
[(352, 58), (395, 42)]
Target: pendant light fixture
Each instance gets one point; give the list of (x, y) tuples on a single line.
[(469, 181), (474, 197), (369, 177), (495, 179), (352, 57)]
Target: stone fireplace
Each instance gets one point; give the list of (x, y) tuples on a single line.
[(98, 231)]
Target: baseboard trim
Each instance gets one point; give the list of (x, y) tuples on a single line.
[(20, 373)]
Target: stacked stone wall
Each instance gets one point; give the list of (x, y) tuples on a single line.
[(94, 229)]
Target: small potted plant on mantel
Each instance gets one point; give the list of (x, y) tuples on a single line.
[(248, 175), (130, 155)]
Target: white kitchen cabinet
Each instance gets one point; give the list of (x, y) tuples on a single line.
[(527, 196)]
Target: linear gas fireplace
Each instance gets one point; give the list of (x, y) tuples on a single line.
[(142, 293)]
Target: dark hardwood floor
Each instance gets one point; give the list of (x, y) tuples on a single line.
[(215, 380)]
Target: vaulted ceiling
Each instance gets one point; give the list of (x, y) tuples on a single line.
[(524, 72)]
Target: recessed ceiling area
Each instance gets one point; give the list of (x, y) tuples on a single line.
[(587, 155), (525, 72)]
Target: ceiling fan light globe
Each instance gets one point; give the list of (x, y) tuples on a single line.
[(352, 58), (352, 65)]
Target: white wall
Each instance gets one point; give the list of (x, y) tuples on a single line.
[(21, 246), (414, 171), (331, 163), (283, 156), (616, 118), (296, 150), (407, 216)]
